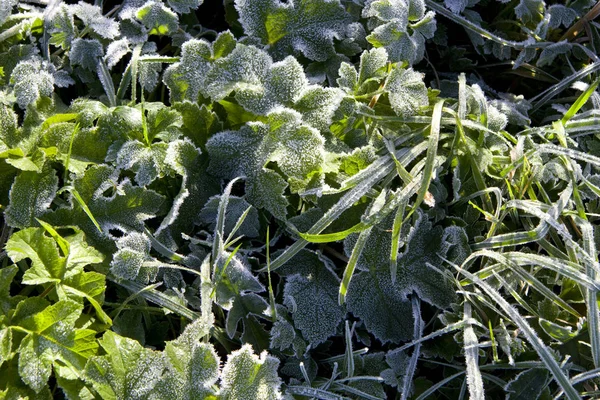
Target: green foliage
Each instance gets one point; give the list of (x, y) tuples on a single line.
[(311, 198)]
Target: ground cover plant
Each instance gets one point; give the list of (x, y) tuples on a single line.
[(329, 199)]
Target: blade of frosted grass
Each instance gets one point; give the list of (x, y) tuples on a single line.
[(125, 82), (314, 392), (591, 295), (578, 155), (107, 83), (135, 55), (363, 237), (67, 162), (83, 206), (580, 102), (372, 174), (349, 353), (151, 294), (432, 147), (206, 299), (237, 226), (217, 248), (545, 96), (414, 358), (531, 336), (396, 228), (447, 329), (271, 295), (471, 346)]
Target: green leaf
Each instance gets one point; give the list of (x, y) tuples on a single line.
[(157, 18), (6, 9), (133, 261), (8, 127), (407, 92), (199, 122), (248, 376), (243, 305), (527, 385), (192, 367), (371, 71), (61, 27), (307, 26), (8, 302), (530, 11), (50, 337), (127, 371), (30, 197)]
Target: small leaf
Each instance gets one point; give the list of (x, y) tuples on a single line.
[(407, 92), (157, 18), (31, 81), (30, 197), (247, 376), (86, 53), (92, 17)]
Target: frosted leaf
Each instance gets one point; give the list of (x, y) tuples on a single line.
[(260, 86), (30, 197), (8, 126), (243, 305), (244, 68), (282, 335), (388, 10), (549, 53), (514, 107), (148, 75), (235, 281), (114, 205), (373, 297), (127, 371), (530, 11), (456, 6), (371, 72), (61, 26), (92, 17), (129, 8), (184, 6), (561, 15), (86, 52), (196, 187), (407, 92), (132, 260), (185, 79), (133, 31), (146, 161), (157, 18), (6, 9), (62, 79), (311, 292), (236, 207), (297, 148), (31, 81), (192, 367), (247, 376), (307, 27), (529, 384), (398, 362), (116, 51)]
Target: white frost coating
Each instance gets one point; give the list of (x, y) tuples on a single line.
[(31, 80), (305, 27), (247, 376), (116, 51), (86, 52), (6, 7), (407, 92), (92, 17), (191, 70), (30, 197), (184, 6)]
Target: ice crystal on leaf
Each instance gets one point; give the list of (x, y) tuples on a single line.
[(31, 81), (160, 20), (30, 197), (92, 17), (561, 15), (127, 371), (383, 305), (297, 149), (248, 376), (192, 367), (261, 85), (301, 26), (311, 291), (371, 71), (132, 260), (86, 53), (407, 92), (401, 27), (6, 9), (116, 51), (61, 26), (184, 6)]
